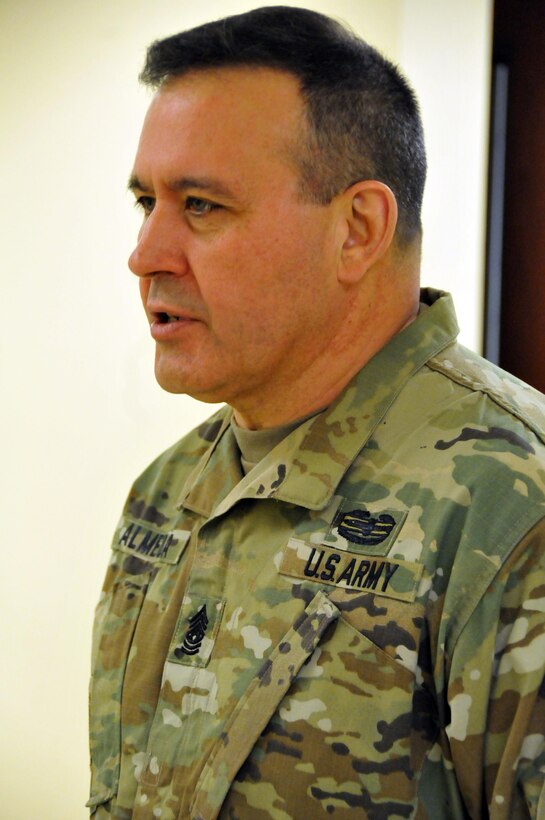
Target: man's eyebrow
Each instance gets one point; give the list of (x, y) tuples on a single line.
[(208, 184), (134, 184)]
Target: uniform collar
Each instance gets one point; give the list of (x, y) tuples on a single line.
[(308, 465)]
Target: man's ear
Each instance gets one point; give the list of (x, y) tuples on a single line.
[(370, 211)]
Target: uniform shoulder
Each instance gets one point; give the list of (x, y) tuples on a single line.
[(512, 395)]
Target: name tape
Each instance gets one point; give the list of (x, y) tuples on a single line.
[(137, 538)]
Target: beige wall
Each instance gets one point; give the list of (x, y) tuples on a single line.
[(81, 411)]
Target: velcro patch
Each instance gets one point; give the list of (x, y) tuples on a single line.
[(195, 634), (140, 539), (356, 527), (390, 577)]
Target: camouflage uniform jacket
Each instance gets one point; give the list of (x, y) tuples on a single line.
[(356, 628)]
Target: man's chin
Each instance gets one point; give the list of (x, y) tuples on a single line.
[(174, 383), (169, 384)]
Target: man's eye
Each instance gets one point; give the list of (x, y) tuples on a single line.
[(145, 204), (199, 207)]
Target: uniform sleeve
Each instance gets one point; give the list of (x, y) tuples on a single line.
[(496, 691)]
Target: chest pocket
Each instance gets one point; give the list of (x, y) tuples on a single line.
[(329, 712)]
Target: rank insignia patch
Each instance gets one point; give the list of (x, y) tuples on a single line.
[(198, 624), (355, 525), (195, 634)]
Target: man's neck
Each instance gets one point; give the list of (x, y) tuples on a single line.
[(323, 379)]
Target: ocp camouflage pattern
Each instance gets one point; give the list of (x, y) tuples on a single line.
[(354, 628)]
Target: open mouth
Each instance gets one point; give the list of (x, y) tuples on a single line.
[(166, 318)]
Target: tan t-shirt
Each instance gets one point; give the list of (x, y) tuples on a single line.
[(255, 444)]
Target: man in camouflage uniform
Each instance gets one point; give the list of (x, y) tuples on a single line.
[(329, 600)]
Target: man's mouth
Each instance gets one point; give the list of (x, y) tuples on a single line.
[(166, 323), (166, 318)]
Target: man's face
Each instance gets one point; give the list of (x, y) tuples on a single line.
[(237, 273)]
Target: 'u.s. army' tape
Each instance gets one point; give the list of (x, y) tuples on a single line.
[(391, 577)]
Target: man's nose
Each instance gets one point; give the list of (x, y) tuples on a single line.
[(159, 248)]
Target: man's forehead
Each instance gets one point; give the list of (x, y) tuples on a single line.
[(254, 92), (220, 117)]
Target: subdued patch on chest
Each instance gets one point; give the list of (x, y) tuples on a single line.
[(143, 541), (196, 631), (356, 527), (346, 569)]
